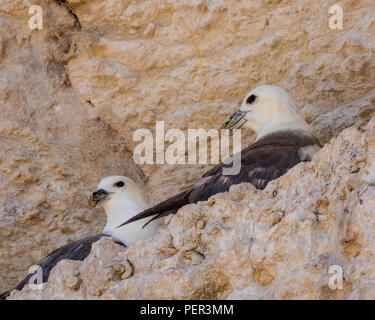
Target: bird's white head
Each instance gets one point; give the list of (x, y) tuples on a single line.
[(122, 199), (113, 191), (267, 109)]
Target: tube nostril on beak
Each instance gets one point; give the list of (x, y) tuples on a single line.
[(235, 121), (99, 194), (95, 194), (97, 197)]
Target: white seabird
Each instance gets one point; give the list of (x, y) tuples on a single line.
[(283, 139), (121, 198)]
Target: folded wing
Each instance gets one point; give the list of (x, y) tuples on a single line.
[(264, 161), (77, 250)]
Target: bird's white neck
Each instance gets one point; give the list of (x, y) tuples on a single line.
[(120, 209), (281, 123)]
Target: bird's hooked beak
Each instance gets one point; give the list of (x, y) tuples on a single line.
[(236, 121), (97, 197)]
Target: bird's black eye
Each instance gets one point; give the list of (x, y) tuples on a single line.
[(251, 99), (119, 184)]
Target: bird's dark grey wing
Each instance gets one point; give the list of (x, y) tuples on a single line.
[(162, 209), (169, 206), (295, 139), (216, 169), (252, 170), (265, 160), (259, 166), (77, 250)]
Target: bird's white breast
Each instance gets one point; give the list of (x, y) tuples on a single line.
[(118, 212)]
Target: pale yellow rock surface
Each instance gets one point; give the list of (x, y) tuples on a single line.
[(248, 244), (54, 149), (73, 94)]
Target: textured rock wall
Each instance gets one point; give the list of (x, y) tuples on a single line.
[(72, 95), (249, 244), (53, 148), (190, 63)]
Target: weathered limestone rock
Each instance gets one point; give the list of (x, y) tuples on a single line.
[(53, 148), (73, 94), (249, 244), (184, 61)]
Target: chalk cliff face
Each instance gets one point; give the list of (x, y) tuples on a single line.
[(73, 94)]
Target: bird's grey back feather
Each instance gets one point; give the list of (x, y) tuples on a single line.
[(264, 161)]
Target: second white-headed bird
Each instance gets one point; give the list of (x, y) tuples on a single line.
[(121, 198), (283, 139)]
